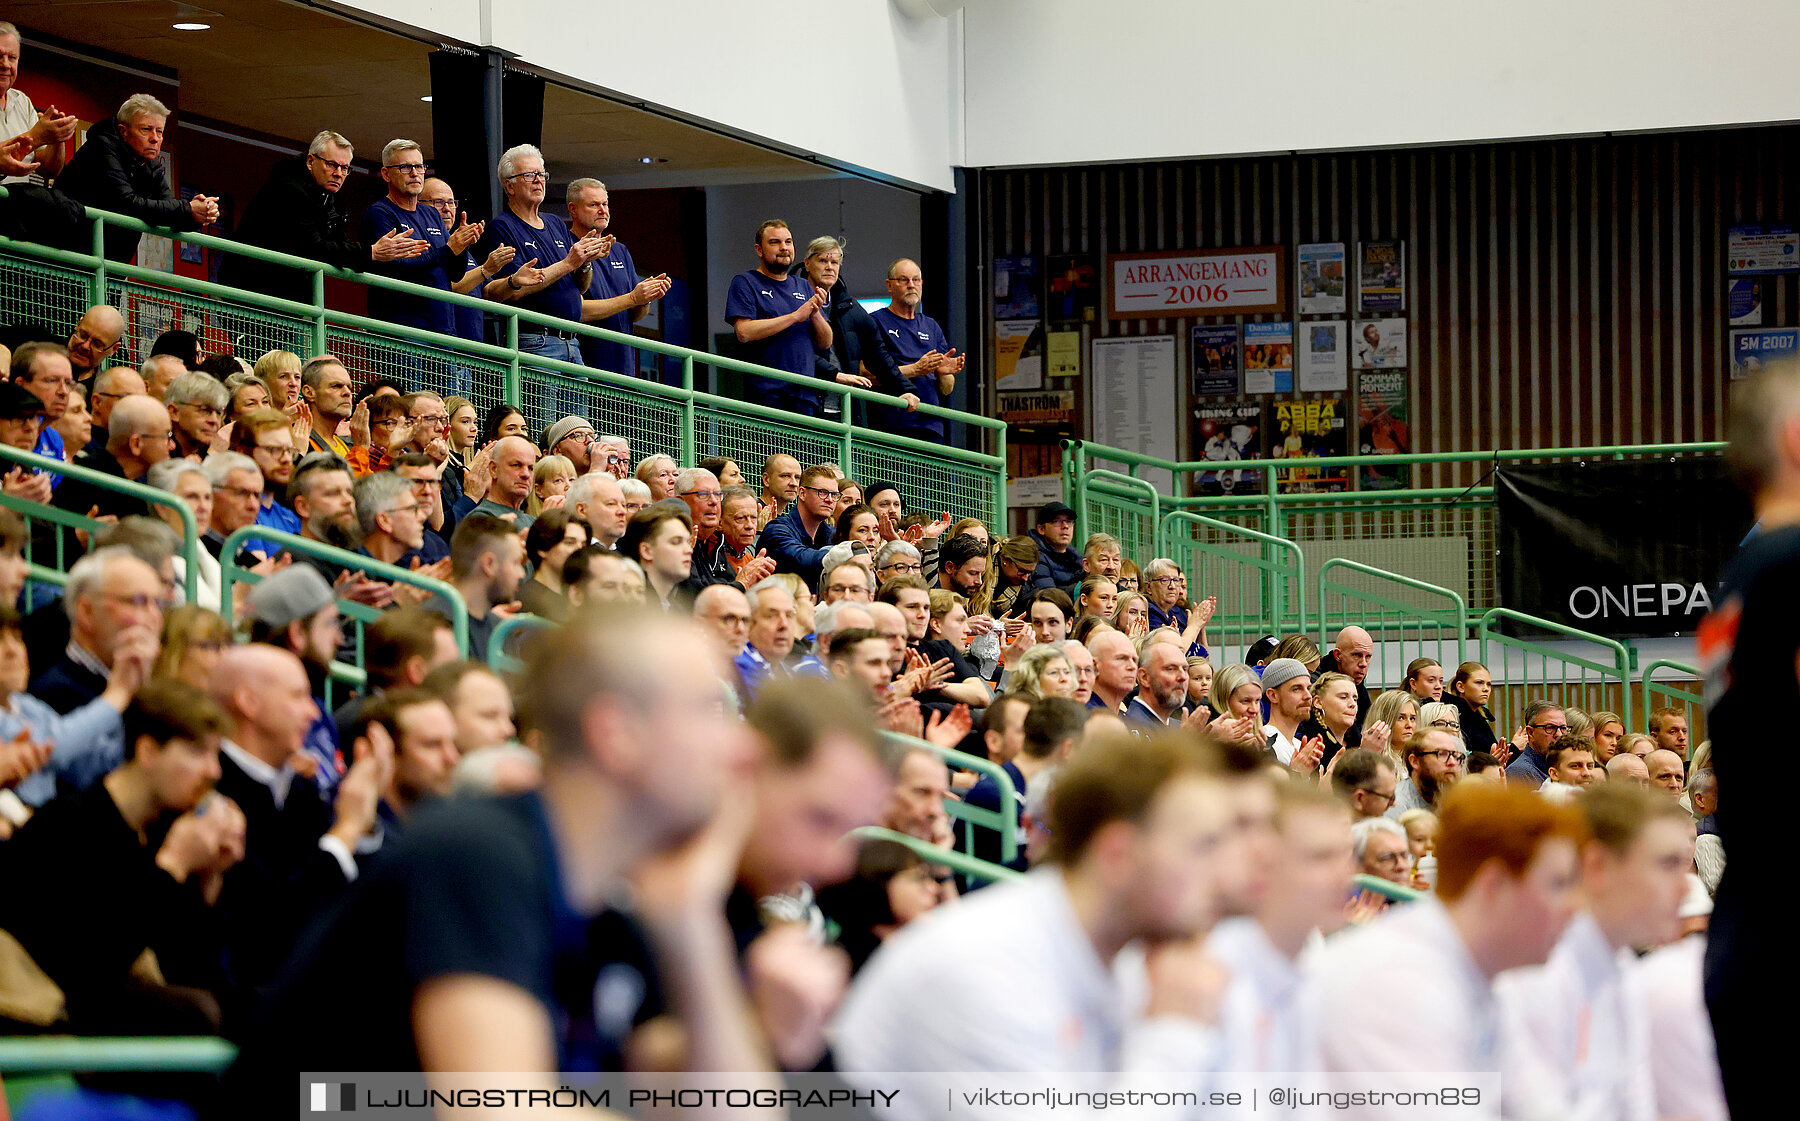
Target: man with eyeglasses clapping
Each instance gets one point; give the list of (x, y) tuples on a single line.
[(298, 211), (1544, 721), (1434, 762)]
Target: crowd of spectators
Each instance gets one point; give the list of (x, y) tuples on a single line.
[(627, 839), (225, 792)]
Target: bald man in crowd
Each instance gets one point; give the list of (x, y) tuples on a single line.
[(108, 388), (95, 337)]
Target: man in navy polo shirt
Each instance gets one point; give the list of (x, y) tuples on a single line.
[(553, 288), (777, 316), (928, 363), (615, 298), (403, 168)]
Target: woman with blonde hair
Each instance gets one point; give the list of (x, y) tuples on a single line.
[(659, 472), (1097, 596), (974, 526), (280, 372), (1333, 714), (1300, 648), (1014, 561), (1399, 710), (1237, 704), (1043, 671), (464, 436), (1132, 616), (551, 478), (193, 640)]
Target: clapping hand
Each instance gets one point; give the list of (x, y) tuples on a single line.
[(396, 246), (1309, 755), (465, 234)]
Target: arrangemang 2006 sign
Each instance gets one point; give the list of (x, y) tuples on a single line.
[(1197, 282)]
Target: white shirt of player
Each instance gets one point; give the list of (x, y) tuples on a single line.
[(1573, 1038), (1267, 1022), (1044, 1003)]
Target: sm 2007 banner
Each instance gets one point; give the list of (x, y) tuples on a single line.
[(1624, 549)]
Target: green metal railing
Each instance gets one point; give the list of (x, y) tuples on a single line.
[(949, 858), (1442, 535), (1256, 576), (1436, 625), (1115, 508), (41, 283), (971, 817), (357, 614), (1533, 669), (93, 1054), (498, 659), (54, 569), (1661, 694), (1395, 893)]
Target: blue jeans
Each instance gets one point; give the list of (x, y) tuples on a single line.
[(560, 400)]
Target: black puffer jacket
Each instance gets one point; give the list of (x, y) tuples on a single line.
[(107, 174), (856, 342), (292, 214)]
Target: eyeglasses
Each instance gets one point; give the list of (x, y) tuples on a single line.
[(278, 453), (405, 168), (1377, 794), (343, 168), (434, 419), (1556, 729), (1453, 725), (1448, 756), (715, 495), (823, 493), (1392, 859), (139, 601), (84, 335), (531, 176), (902, 567), (1170, 580)]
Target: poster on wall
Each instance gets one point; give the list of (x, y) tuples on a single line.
[(1018, 354), (1015, 288), (1307, 429), (1322, 281), (1381, 276), (1225, 432), (1324, 365), (1136, 399), (1744, 296), (1216, 363), (1382, 428), (1762, 249), (1380, 344), (1268, 358), (1197, 283), (1053, 409), (1752, 350), (1074, 283), (1062, 354)]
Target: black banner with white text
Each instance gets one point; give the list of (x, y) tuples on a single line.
[(1624, 548)]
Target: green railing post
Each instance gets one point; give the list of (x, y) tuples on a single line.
[(1459, 611), (320, 332), (1275, 574), (1619, 671), (1000, 820), (97, 285), (1694, 701), (689, 421), (513, 387)]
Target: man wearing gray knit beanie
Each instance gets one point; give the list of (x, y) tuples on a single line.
[(1288, 689)]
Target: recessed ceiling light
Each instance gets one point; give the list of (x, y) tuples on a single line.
[(653, 159), (426, 99), (193, 27)]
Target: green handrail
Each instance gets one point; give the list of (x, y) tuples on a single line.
[(1396, 893), (232, 573), (1620, 670), (1001, 820), (497, 657), (1459, 608), (1087, 450), (55, 1054), (949, 858), (511, 316), (190, 532), (1687, 697), (1275, 578)]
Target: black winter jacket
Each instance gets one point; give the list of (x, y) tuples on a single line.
[(292, 214), (107, 174)]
